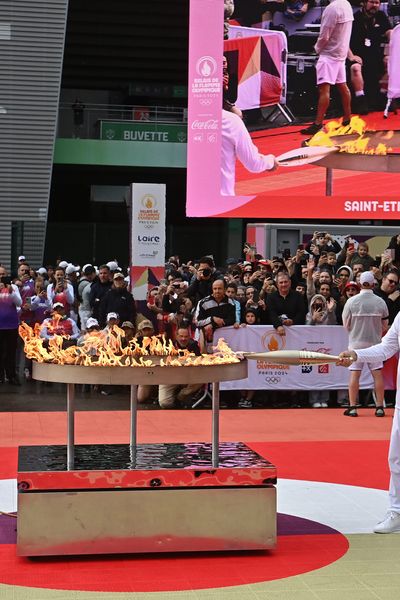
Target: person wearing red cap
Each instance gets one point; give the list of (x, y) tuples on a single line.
[(351, 289)]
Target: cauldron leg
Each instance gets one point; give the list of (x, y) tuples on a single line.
[(329, 182), (70, 425), (133, 440), (215, 424)]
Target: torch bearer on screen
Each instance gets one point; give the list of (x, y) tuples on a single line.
[(293, 357)]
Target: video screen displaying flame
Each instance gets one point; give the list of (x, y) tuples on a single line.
[(108, 349), (359, 145)]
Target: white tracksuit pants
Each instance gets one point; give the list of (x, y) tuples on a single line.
[(394, 463)]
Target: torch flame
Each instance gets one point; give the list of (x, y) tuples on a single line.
[(107, 349), (360, 145)]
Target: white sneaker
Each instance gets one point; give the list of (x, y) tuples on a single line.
[(390, 524), (317, 405), (324, 405)]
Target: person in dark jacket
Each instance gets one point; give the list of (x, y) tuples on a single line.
[(201, 284), (10, 300), (388, 290), (394, 244), (216, 310), (98, 289), (286, 306), (118, 299)]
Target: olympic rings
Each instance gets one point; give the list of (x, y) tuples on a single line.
[(272, 379)]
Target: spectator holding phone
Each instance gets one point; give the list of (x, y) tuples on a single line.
[(173, 295), (343, 275), (247, 273), (252, 297), (10, 300), (174, 305), (262, 268), (322, 312), (387, 258), (40, 302), (202, 281), (154, 300), (61, 290), (350, 255), (322, 242)]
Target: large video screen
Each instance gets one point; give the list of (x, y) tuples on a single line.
[(227, 177)]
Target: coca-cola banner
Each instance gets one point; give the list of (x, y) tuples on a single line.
[(263, 374)]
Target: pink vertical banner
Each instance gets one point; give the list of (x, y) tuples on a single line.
[(206, 41), (205, 104)]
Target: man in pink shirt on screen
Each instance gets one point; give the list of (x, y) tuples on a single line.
[(333, 46), (237, 144)]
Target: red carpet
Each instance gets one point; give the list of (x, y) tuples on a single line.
[(351, 463), (183, 426)]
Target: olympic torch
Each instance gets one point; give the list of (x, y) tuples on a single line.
[(293, 357)]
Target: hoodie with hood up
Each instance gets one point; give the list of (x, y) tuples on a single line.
[(328, 318)]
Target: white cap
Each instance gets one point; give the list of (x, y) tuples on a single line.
[(112, 265), (112, 315), (71, 269), (22, 257), (91, 322), (367, 277), (41, 271), (118, 275), (63, 264)]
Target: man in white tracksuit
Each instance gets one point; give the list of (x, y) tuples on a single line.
[(389, 345)]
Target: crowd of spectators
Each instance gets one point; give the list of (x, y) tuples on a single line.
[(195, 298)]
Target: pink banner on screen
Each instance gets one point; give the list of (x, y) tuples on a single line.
[(204, 111)]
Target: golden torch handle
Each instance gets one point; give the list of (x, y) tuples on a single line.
[(293, 357)]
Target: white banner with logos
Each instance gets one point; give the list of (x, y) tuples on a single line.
[(330, 339), (148, 224)]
